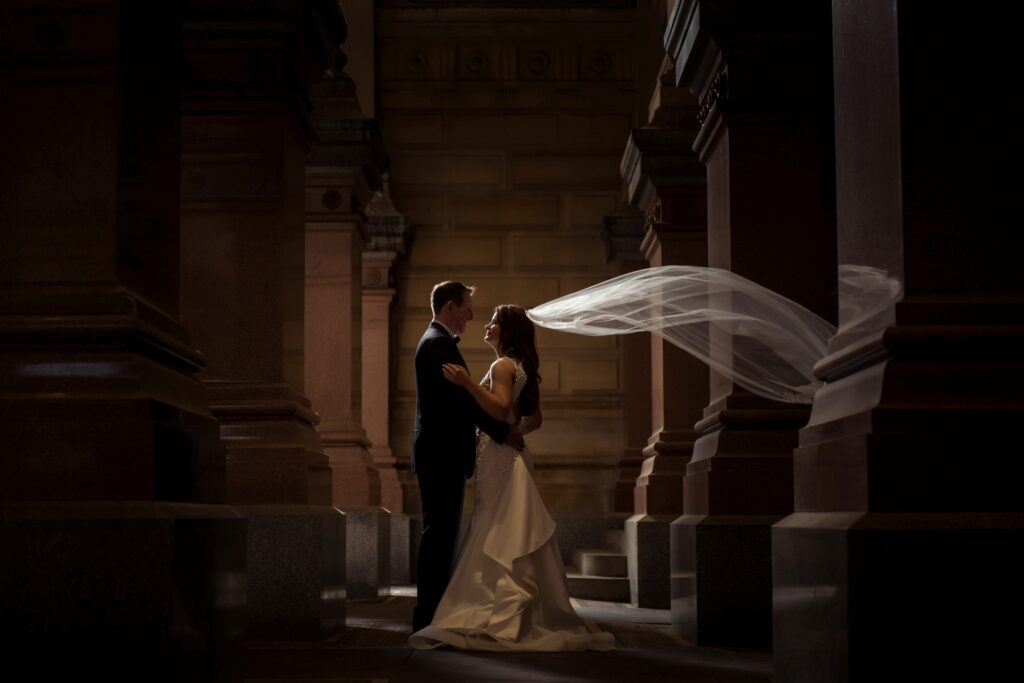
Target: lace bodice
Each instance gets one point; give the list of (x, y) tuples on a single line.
[(517, 387), (493, 461)]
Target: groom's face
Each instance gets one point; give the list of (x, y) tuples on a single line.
[(463, 313)]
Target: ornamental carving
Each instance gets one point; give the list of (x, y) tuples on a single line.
[(374, 278), (718, 90), (599, 63), (477, 63), (331, 200), (416, 63), (653, 216), (538, 62)]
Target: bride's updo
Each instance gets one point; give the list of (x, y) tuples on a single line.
[(517, 340)]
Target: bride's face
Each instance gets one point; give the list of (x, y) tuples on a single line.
[(492, 332)]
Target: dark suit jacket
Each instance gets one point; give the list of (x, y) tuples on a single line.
[(443, 438)]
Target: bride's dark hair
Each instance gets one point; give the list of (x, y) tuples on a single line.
[(517, 340)]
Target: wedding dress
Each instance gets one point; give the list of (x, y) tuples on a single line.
[(508, 591)]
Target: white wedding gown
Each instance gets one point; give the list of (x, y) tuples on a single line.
[(508, 590)]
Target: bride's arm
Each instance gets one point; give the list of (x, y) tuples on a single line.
[(496, 402), (531, 423)]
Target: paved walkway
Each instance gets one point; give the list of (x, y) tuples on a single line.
[(373, 649)]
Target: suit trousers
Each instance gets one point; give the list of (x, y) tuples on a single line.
[(441, 494)]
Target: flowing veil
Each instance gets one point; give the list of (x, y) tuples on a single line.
[(756, 337)]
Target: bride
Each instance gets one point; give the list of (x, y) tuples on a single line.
[(508, 590)]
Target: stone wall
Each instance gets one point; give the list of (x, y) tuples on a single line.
[(505, 129)]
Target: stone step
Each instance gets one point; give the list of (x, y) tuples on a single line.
[(616, 540), (606, 588), (600, 562)]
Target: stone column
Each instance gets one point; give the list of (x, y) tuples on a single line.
[(245, 132), (666, 181), (386, 228), (901, 558), (118, 558), (342, 172), (624, 232), (765, 88)]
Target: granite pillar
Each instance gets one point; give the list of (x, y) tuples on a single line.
[(342, 172), (118, 553), (245, 130), (900, 558), (666, 181), (765, 88)]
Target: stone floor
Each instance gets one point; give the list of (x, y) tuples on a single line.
[(373, 649)]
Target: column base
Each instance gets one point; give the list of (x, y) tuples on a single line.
[(415, 535), (123, 590), (647, 555), (390, 483), (273, 449), (896, 596), (721, 579), (296, 571), (401, 550), (368, 563)]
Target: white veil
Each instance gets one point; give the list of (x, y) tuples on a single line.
[(759, 339)]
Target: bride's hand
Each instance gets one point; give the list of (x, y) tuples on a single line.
[(456, 374)]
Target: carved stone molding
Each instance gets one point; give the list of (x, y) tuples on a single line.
[(387, 233), (658, 157), (623, 233), (653, 216), (717, 90), (503, 62)]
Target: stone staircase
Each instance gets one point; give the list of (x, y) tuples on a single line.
[(600, 574)]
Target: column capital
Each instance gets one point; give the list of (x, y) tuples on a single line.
[(671, 106), (248, 52), (388, 233), (657, 159), (745, 57), (388, 229), (344, 137)]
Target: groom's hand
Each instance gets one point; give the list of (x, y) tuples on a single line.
[(515, 439)]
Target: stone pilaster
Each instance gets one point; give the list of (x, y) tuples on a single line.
[(764, 82), (246, 129), (665, 180), (387, 230), (623, 233), (908, 473), (343, 170), (116, 543)]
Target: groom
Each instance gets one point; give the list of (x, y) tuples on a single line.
[(444, 443)]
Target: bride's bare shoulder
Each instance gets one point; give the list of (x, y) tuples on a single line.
[(504, 366)]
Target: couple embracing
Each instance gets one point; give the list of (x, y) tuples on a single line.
[(504, 587)]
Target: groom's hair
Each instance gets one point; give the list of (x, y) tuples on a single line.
[(446, 291)]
